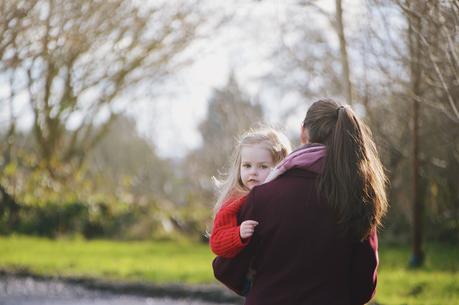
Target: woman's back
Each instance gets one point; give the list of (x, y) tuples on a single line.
[(299, 255)]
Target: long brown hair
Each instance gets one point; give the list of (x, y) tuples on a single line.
[(353, 180)]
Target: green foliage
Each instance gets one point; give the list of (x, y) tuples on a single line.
[(59, 219), (53, 219), (158, 220)]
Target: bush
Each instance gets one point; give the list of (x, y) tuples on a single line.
[(101, 220), (52, 219), (57, 219)]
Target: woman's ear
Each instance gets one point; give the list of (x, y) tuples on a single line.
[(304, 137)]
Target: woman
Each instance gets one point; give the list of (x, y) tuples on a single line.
[(315, 242)]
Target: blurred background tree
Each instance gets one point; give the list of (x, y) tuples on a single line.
[(230, 112)]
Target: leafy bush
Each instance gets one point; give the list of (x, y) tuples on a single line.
[(115, 221)]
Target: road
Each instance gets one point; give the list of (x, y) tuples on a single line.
[(16, 290)]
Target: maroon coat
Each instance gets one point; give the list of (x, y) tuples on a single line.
[(297, 251)]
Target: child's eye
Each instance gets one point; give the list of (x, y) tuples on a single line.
[(264, 166), (246, 165)]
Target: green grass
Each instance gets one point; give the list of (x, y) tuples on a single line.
[(185, 262), (437, 282), (160, 262)]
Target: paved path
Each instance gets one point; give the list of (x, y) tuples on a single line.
[(16, 290)]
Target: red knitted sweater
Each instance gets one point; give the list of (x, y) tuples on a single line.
[(225, 240)]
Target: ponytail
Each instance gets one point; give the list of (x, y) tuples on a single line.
[(353, 180)]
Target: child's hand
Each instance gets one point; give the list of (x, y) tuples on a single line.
[(247, 228)]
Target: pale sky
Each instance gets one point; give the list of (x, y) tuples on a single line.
[(244, 46)]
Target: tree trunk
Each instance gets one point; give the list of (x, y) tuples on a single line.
[(10, 208), (414, 28), (343, 52)]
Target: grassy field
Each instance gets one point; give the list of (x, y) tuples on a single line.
[(165, 262), (160, 262), (436, 283)]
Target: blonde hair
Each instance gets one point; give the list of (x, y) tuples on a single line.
[(274, 141)]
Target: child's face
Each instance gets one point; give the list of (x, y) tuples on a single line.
[(256, 164)]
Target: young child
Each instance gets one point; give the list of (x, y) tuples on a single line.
[(256, 154)]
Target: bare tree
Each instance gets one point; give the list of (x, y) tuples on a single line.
[(413, 45), (415, 68), (343, 51), (438, 43), (337, 23), (12, 22), (74, 61)]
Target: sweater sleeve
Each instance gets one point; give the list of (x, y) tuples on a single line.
[(364, 267), (232, 272), (225, 240)]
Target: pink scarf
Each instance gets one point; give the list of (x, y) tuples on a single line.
[(306, 157)]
